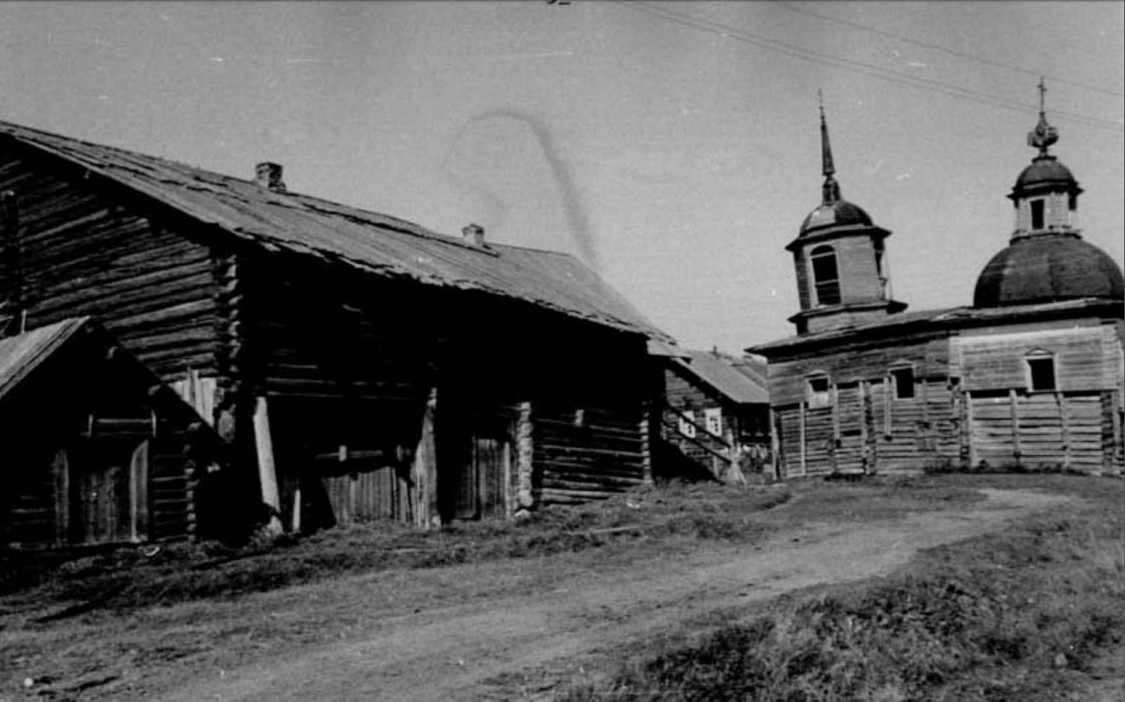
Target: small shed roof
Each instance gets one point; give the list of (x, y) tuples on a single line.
[(373, 242), (21, 354), (741, 380)]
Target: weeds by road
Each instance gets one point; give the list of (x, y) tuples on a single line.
[(1024, 614)]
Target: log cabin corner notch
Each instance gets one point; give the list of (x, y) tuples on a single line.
[(402, 373)]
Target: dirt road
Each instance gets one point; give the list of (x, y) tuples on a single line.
[(512, 624)]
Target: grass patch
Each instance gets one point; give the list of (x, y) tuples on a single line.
[(1020, 614), (126, 578)]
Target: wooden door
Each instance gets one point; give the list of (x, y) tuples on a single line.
[(478, 475), (108, 495)]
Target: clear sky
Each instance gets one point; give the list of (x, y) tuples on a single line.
[(674, 146)]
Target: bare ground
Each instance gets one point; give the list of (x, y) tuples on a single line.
[(466, 632)]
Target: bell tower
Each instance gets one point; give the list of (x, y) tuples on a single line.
[(840, 260)]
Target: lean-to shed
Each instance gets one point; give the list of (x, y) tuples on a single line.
[(356, 365), (96, 449)]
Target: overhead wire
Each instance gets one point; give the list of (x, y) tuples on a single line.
[(946, 50), (930, 84)]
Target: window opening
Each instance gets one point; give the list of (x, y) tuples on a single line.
[(713, 417), (1036, 214), (1041, 372), (903, 379), (818, 391), (687, 423)]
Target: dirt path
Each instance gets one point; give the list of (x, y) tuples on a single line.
[(448, 652)]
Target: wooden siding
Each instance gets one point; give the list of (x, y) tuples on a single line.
[(1084, 358), (857, 361), (1041, 430), (81, 253)]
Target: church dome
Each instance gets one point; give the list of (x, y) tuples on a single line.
[(835, 214), (1048, 269), (1045, 172)]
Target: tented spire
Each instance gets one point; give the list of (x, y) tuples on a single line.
[(831, 187)]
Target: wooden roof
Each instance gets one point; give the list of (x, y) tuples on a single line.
[(740, 380), (21, 354), (375, 243), (946, 320)]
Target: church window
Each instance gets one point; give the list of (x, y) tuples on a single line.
[(1041, 371), (818, 391), (903, 380), (1036, 214), (826, 276)]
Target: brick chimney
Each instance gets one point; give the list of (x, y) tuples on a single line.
[(268, 175), (474, 235)]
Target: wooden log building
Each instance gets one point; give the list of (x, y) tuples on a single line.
[(96, 449), (1030, 376), (355, 365), (716, 413)]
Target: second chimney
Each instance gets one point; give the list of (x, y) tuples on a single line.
[(473, 234), (268, 175)]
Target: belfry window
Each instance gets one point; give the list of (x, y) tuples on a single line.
[(1036, 214), (826, 276)]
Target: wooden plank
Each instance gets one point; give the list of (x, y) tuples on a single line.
[(60, 470), (803, 439), (425, 468), (1013, 403), (267, 473), (138, 492)]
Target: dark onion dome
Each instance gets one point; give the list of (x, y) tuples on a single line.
[(1045, 173), (835, 214), (1048, 268)]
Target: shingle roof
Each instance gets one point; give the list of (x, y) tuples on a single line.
[(21, 354), (741, 380), (376, 243)]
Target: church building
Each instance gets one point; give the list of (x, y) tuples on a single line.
[(1030, 376)]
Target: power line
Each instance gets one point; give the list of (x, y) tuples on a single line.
[(951, 52), (861, 67)]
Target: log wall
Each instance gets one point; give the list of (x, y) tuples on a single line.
[(81, 253)]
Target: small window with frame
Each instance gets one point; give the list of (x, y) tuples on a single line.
[(902, 378), (1041, 376), (818, 390)]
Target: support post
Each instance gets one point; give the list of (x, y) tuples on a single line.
[(801, 433), (970, 447), (835, 448), (1013, 401), (775, 446), (267, 474), (425, 468), (1064, 425), (138, 492), (864, 418)]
